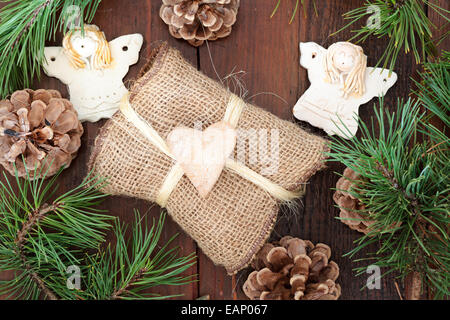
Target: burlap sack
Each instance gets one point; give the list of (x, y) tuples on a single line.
[(237, 217)]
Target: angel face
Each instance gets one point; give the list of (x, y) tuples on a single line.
[(90, 48), (84, 46), (345, 58), (345, 63)]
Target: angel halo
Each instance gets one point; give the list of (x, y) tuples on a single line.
[(340, 83), (93, 69)]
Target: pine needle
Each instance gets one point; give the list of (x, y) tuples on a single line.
[(404, 186), (297, 4), (39, 240)]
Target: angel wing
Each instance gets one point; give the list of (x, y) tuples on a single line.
[(327, 112), (125, 51), (378, 82), (57, 64), (311, 58)]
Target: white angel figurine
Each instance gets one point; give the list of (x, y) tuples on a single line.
[(93, 69), (340, 83)]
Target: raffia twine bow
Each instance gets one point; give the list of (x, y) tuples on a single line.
[(232, 115)]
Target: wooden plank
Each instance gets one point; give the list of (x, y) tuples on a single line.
[(438, 33), (336, 234), (319, 206), (117, 18), (440, 23), (442, 27), (268, 51), (263, 48), (143, 17)]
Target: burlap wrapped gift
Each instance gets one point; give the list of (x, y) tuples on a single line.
[(237, 217)]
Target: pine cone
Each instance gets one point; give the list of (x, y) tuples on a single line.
[(349, 205), (293, 269), (199, 20), (41, 127)]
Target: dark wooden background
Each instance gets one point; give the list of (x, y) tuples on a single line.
[(267, 50)]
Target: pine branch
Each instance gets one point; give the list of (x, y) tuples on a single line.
[(25, 27), (33, 219), (118, 293), (414, 280), (390, 177), (405, 24), (403, 183), (21, 238), (127, 270), (432, 88), (40, 238), (35, 277), (29, 24)]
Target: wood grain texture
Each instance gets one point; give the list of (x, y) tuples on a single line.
[(273, 73), (267, 51)]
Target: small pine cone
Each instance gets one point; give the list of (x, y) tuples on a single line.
[(350, 206), (199, 20), (293, 269), (39, 132)]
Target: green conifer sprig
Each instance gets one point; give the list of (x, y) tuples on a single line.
[(117, 273), (405, 182), (404, 186), (433, 88), (297, 5), (403, 22), (25, 25), (40, 238)]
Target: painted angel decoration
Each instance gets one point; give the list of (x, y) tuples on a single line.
[(340, 83), (93, 69)]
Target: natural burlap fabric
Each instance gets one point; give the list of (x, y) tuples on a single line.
[(237, 217)]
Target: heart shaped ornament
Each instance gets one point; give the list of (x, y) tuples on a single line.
[(202, 154)]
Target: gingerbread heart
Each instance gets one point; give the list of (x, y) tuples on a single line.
[(202, 154)]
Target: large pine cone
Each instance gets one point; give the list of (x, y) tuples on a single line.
[(199, 20), (39, 132), (351, 208), (293, 269)]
